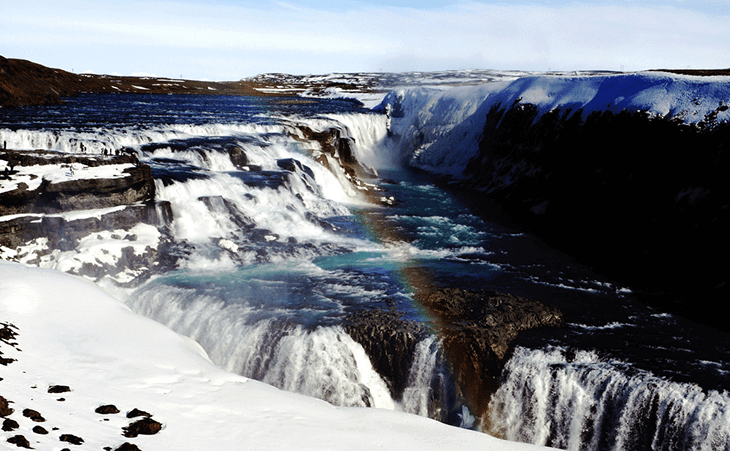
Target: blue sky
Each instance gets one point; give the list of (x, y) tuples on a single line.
[(228, 39)]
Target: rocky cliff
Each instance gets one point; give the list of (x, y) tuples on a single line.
[(50, 203), (642, 198)]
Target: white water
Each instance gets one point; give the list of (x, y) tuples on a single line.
[(590, 403), (97, 141), (416, 397)]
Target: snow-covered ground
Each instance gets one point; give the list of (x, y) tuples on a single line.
[(34, 175), (72, 333)]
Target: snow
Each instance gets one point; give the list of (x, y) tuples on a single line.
[(34, 175), (439, 129), (71, 332)]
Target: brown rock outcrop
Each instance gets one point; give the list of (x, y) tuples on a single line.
[(478, 330)]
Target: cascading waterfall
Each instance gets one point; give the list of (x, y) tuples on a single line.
[(416, 395), (323, 362), (583, 402), (430, 391)]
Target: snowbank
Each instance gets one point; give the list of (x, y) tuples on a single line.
[(70, 332), (439, 130)]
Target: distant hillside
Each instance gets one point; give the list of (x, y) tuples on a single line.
[(26, 83)]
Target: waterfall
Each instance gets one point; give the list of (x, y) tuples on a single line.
[(322, 362), (584, 402)]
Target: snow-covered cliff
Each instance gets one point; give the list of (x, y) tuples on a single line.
[(628, 172)]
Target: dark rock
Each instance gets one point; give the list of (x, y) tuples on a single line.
[(10, 425), (262, 235), (478, 330), (224, 207), (126, 446), (107, 409), (294, 165), (83, 194), (134, 413), (40, 430), (33, 415), (72, 439), (8, 334), (20, 441), (65, 235), (145, 426), (500, 316), (59, 389), (238, 156), (390, 342), (263, 179)]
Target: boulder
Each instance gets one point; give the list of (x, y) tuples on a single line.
[(5, 408), (107, 409), (72, 439)]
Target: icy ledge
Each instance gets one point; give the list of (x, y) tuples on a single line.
[(71, 333)]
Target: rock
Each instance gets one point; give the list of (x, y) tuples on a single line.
[(238, 156), (8, 332), (478, 330), (294, 165), (137, 413), (224, 207), (5, 409), (107, 409), (145, 426), (59, 389), (20, 441), (126, 446), (72, 439), (79, 194), (34, 415), (40, 430), (10, 425), (390, 342), (500, 317)]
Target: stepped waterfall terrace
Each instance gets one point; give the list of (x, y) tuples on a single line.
[(272, 255)]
